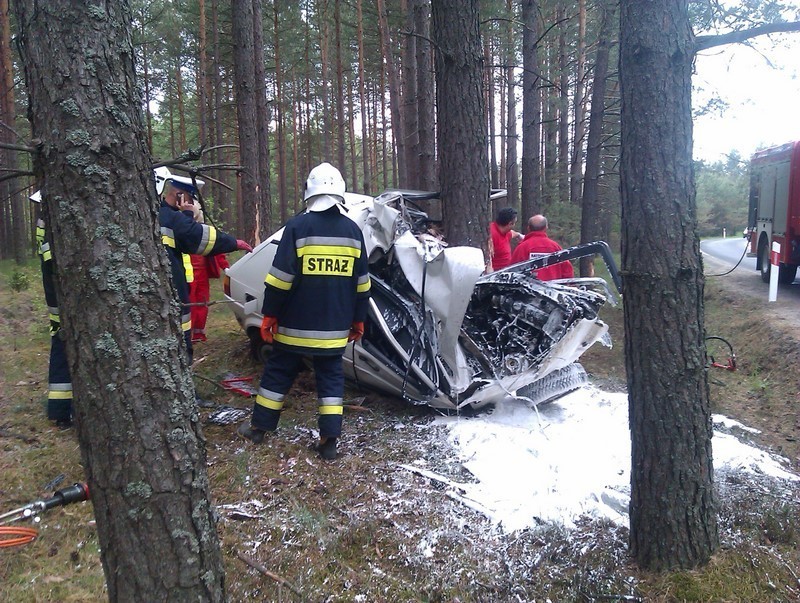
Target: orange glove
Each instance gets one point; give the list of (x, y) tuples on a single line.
[(356, 331), (269, 326), (243, 245)]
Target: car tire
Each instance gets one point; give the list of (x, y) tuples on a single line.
[(259, 349)]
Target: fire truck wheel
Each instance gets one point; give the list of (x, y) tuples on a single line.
[(763, 260), (786, 274)]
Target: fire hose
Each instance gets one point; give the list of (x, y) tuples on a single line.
[(16, 536), (730, 365)]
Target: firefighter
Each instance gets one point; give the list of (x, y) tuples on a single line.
[(182, 236), (59, 389), (315, 301)]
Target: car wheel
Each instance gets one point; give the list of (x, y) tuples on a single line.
[(259, 349)]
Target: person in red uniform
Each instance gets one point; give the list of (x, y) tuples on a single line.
[(501, 232), (537, 243), (316, 295)]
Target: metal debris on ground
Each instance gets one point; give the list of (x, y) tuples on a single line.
[(227, 415)]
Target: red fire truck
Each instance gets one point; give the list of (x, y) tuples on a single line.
[(775, 209)]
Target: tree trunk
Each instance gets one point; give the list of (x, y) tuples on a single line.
[(531, 110), (512, 137), (263, 210), (139, 432), (672, 508), (148, 97), (363, 101), (326, 114), (398, 129), (461, 121), (409, 98), (563, 108), (490, 93), (17, 234), (254, 218), (578, 108), (222, 194), (384, 128), (202, 75), (590, 204), (550, 125), (181, 107), (341, 125), (283, 200), (426, 95), (351, 136)]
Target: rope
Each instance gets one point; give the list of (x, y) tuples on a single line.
[(15, 536)]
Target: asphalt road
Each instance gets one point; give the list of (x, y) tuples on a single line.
[(722, 254)]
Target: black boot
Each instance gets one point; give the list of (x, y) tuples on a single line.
[(327, 448), (251, 433)]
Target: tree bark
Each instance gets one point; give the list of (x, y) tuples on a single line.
[(362, 94), (248, 60), (398, 129), (409, 97), (461, 121), (578, 108), (283, 200), (591, 227), (15, 223), (531, 110), (426, 96), (490, 93), (341, 125), (512, 138), (563, 108), (263, 211), (672, 508), (139, 432), (202, 75)]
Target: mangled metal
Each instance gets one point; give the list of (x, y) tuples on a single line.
[(441, 333)]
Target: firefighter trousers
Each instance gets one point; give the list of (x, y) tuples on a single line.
[(59, 391), (279, 374)]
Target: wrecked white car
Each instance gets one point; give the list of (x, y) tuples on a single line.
[(440, 332)]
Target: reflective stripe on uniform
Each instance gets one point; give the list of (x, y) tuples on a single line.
[(45, 252), (330, 406), (279, 279), (340, 250), (322, 340), (331, 410), (208, 241), (186, 322), (60, 391), (188, 268), (269, 399), (364, 284), (167, 237), (330, 242)]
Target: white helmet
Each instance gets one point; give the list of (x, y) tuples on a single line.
[(163, 175), (325, 182), (36, 197)]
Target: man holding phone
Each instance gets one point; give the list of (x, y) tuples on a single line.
[(182, 235)]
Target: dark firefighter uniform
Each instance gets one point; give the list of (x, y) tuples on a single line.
[(182, 236), (59, 389), (317, 287)]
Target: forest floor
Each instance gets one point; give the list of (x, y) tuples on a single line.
[(296, 528)]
